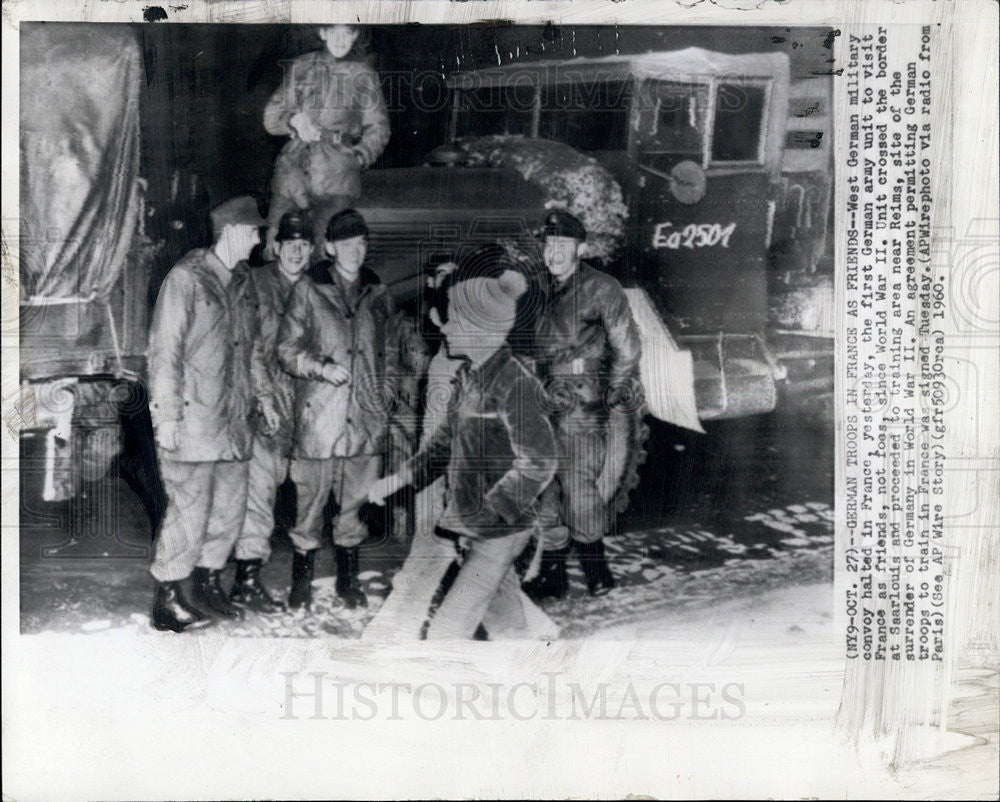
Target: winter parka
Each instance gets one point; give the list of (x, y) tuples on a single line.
[(497, 447), (587, 336), (199, 355), (274, 291), (322, 325)]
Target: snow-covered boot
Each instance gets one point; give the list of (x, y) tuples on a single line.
[(248, 591), (347, 577), (595, 567), (172, 612)]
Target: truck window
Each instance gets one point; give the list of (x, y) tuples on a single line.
[(739, 122), (588, 116), (713, 123), (673, 121), (676, 121), (495, 110)]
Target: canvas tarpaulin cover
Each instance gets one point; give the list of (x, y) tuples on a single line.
[(79, 205), (79, 139)]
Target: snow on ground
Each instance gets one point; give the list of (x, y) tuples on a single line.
[(664, 568)]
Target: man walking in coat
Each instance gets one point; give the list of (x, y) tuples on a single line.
[(588, 350), (338, 339), (333, 110), (199, 355), (500, 453), (273, 284)]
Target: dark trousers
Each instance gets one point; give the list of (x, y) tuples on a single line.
[(574, 495)]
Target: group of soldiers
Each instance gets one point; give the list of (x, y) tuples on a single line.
[(293, 370)]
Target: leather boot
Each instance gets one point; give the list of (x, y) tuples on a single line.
[(209, 595), (347, 577), (595, 567), (303, 568), (249, 592), (551, 582), (172, 612)]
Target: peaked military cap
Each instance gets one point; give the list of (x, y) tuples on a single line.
[(294, 225), (560, 223)]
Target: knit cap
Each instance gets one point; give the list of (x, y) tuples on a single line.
[(346, 224), (487, 303)]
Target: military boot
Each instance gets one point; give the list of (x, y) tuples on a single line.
[(303, 567), (347, 577), (248, 591), (172, 612), (595, 567), (209, 595), (551, 582)]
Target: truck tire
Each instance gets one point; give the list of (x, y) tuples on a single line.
[(624, 454)]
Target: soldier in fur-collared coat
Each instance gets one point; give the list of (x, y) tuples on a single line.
[(338, 339)]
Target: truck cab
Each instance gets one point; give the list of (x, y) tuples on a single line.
[(697, 141)]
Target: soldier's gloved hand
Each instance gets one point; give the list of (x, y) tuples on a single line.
[(388, 485), (268, 411), (383, 488), (304, 128), (335, 374), (168, 434)]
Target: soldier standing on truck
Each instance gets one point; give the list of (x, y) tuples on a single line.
[(275, 388), (338, 338), (587, 347), (335, 114), (200, 350)]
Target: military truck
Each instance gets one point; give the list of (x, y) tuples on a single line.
[(84, 261), (725, 169)]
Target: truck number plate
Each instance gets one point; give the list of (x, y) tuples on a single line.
[(705, 235)]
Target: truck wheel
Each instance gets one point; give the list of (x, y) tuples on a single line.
[(627, 433)]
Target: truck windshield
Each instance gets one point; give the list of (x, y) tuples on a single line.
[(712, 123), (673, 122), (588, 116), (495, 110)]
